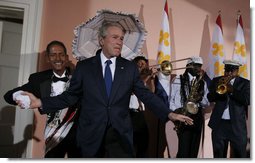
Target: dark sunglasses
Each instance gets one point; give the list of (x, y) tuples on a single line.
[(230, 68)]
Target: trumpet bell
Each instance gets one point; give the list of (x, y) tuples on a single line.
[(221, 89), (222, 86), (166, 67)]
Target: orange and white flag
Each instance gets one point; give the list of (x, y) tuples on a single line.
[(217, 52), (239, 53), (164, 48)]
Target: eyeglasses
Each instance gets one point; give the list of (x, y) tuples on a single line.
[(230, 68)]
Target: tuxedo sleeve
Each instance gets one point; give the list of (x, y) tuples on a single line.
[(31, 86)]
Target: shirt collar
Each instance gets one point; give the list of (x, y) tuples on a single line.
[(104, 59), (62, 76), (191, 77)]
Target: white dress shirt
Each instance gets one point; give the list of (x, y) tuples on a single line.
[(226, 114), (112, 66), (59, 86)]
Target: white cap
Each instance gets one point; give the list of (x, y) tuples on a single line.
[(232, 62), (193, 59)]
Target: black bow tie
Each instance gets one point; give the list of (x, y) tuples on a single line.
[(56, 79)]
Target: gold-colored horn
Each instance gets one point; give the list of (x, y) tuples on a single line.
[(222, 86), (166, 66)]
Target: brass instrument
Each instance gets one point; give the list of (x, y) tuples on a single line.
[(222, 86), (191, 106), (166, 66)]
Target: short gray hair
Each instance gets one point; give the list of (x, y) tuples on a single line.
[(102, 31)]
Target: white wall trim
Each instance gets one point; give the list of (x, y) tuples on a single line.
[(28, 60)]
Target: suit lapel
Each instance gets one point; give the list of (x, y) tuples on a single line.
[(236, 81), (98, 75), (118, 77), (45, 87)]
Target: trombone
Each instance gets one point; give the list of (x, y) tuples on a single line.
[(166, 66)]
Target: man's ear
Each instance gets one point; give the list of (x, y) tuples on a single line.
[(101, 42)]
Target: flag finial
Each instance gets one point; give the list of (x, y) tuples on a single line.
[(239, 12)]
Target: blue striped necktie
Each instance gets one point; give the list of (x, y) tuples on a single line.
[(108, 77)]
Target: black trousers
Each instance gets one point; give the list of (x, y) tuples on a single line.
[(67, 146), (140, 135), (224, 135), (113, 146), (189, 141), (189, 137)]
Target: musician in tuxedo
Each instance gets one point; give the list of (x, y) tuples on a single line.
[(231, 95), (104, 84), (61, 125), (189, 90)]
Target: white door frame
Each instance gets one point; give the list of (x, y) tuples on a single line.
[(28, 60)]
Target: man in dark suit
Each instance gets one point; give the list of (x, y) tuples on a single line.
[(104, 84), (231, 95), (51, 83)]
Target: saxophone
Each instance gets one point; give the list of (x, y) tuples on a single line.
[(191, 106)]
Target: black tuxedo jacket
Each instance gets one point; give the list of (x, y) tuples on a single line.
[(238, 103), (87, 84), (38, 83)]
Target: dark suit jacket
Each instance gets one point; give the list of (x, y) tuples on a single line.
[(238, 104), (97, 110)]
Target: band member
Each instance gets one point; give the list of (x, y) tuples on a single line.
[(149, 131), (188, 97), (231, 94), (60, 130), (137, 110)]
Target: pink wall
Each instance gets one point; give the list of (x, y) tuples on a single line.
[(192, 24)]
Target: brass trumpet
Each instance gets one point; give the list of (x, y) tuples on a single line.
[(166, 66), (222, 86)]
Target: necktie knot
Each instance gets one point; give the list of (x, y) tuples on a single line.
[(56, 79), (108, 62)]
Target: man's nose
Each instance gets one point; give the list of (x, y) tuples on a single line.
[(58, 57)]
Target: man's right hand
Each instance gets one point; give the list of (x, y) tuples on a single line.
[(35, 102), (179, 117)]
